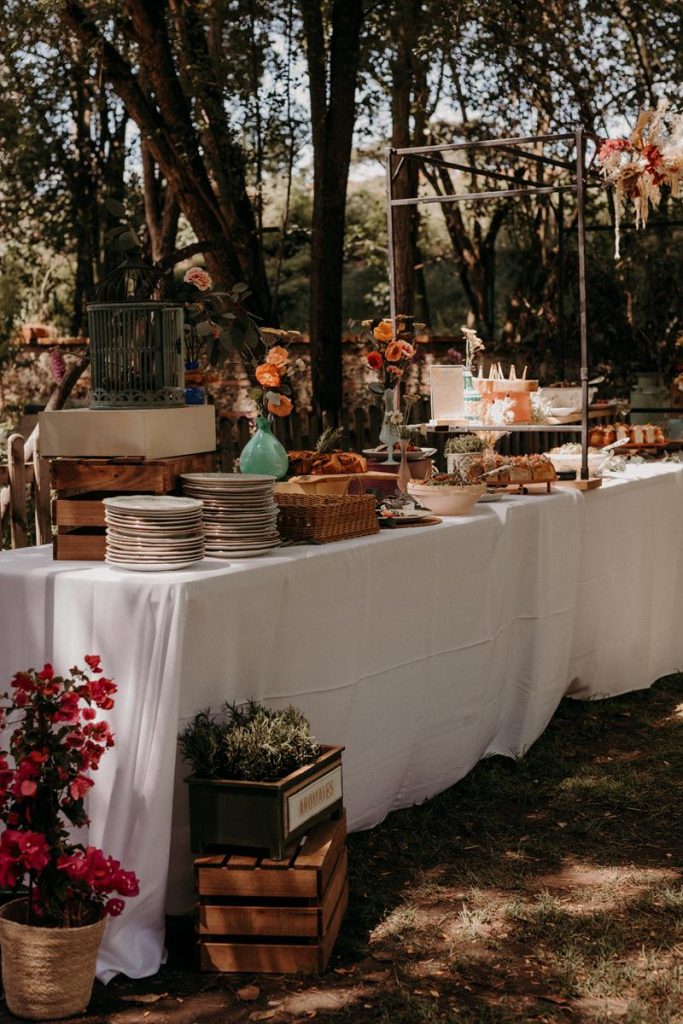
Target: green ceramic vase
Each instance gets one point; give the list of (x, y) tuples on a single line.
[(263, 453)]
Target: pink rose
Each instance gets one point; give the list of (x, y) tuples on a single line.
[(199, 278)]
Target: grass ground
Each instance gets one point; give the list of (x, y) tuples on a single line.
[(548, 889)]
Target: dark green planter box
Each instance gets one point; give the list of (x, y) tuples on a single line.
[(265, 815)]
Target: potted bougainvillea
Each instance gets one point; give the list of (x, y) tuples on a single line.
[(51, 933)]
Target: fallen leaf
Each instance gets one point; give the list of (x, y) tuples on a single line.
[(434, 992), (375, 976), (344, 970), (262, 1014), (382, 955), (248, 994), (561, 824), (145, 997)]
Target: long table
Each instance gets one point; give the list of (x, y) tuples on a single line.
[(419, 650)]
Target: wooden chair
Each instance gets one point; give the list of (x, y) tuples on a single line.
[(25, 471)]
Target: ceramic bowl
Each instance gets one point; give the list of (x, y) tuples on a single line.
[(449, 500), (566, 462)]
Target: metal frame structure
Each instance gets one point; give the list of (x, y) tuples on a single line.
[(582, 177)]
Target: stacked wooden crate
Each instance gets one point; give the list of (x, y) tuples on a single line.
[(258, 915), (97, 453), (81, 484)]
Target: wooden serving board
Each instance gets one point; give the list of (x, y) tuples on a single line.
[(427, 521), (581, 485)]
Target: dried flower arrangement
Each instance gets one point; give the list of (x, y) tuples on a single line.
[(473, 345), (637, 167)]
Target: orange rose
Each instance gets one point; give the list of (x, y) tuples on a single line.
[(394, 352), (283, 408), (268, 375), (383, 331), (278, 356)]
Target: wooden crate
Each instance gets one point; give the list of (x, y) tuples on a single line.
[(261, 916), (81, 484)]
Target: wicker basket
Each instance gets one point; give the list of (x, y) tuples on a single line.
[(325, 518), (47, 973)]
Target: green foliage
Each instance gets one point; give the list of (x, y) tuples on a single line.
[(464, 444), (248, 742)]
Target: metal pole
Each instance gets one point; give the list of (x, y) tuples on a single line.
[(561, 285), (583, 325), (390, 239)]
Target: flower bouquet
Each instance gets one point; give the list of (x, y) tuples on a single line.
[(390, 355), (637, 167), (274, 372), (67, 889)]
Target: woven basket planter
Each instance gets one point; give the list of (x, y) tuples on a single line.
[(325, 518), (47, 973)]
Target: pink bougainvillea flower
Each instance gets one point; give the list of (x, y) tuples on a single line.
[(93, 662), (101, 691), (114, 907), (126, 883), (9, 870), (34, 850), (199, 278), (79, 787)]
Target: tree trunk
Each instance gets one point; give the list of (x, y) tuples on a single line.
[(408, 101), (332, 88), (165, 123)]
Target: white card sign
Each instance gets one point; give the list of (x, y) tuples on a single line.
[(447, 389), (313, 798)]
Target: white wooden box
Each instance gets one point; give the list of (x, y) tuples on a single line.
[(116, 433)]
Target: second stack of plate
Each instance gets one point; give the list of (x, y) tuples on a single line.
[(239, 512)]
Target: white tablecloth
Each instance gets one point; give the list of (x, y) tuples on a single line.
[(419, 650)]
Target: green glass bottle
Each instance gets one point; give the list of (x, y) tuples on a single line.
[(263, 453)]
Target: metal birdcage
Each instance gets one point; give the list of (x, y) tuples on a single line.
[(136, 341)]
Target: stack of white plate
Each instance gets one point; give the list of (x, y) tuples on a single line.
[(150, 532), (239, 512)]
